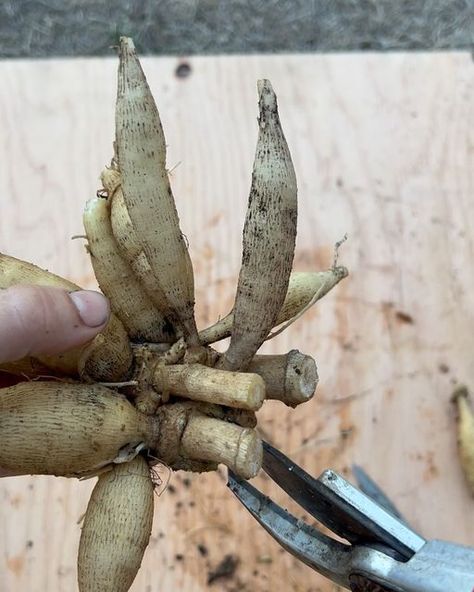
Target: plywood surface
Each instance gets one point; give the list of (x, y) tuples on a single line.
[(383, 148)]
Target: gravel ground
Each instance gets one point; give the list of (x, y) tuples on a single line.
[(39, 28)]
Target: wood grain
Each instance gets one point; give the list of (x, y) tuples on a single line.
[(383, 147)]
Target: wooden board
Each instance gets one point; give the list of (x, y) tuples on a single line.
[(383, 148)]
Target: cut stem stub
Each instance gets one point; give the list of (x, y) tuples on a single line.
[(291, 378), (187, 434), (200, 383), (206, 438)]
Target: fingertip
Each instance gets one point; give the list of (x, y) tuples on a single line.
[(92, 307), (44, 320)]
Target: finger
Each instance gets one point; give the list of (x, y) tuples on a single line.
[(40, 320)]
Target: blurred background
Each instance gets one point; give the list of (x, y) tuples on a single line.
[(40, 28)]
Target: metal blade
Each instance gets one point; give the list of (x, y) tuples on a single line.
[(340, 506), (321, 553), (368, 486)]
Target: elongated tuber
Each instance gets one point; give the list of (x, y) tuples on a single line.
[(304, 287), (122, 226), (465, 421), (55, 428), (116, 529), (117, 280), (141, 150), (307, 287), (268, 237), (127, 241)]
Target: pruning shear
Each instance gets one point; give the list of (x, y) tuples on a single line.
[(382, 553)]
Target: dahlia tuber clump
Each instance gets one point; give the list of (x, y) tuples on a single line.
[(150, 388)]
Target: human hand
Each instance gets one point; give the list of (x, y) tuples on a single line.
[(40, 320)]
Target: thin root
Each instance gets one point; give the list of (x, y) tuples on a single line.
[(160, 485), (337, 246), (174, 167)]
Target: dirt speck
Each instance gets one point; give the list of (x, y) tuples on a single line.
[(431, 471), (214, 220), (224, 570), (183, 70), (443, 368), (348, 346), (16, 500), (404, 317), (347, 432)]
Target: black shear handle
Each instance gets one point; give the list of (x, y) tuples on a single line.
[(362, 584)]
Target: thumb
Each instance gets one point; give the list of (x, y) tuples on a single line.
[(41, 320)]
